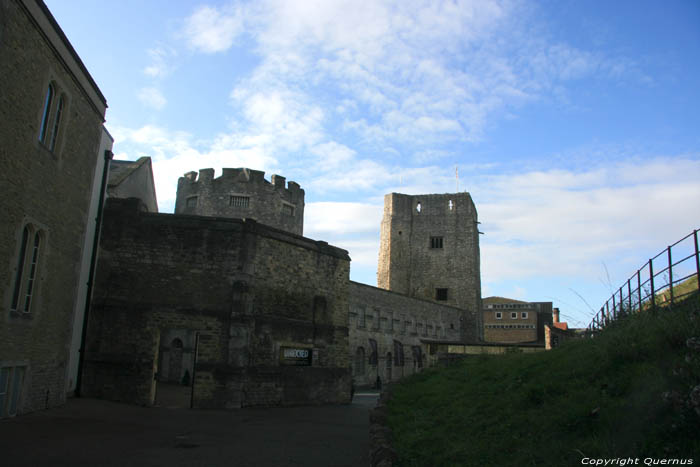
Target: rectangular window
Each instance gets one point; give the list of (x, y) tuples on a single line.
[(435, 242), (441, 294), (499, 315), (523, 315), (288, 209), (191, 202), (239, 201), (514, 315), (361, 318)]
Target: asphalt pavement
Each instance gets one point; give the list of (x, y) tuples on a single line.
[(91, 432)]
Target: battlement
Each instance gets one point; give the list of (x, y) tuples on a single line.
[(398, 204), (239, 175), (242, 193)]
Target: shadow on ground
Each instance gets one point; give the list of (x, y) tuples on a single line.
[(95, 433)]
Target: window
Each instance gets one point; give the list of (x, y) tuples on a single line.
[(418, 207), (46, 113), (11, 379), (56, 124), (26, 273), (523, 315), (51, 117), (373, 357), (398, 353), (441, 294), (361, 318), (191, 202), (514, 315), (451, 205), (239, 201), (499, 315), (287, 209), (435, 242)]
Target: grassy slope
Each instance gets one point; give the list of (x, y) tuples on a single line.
[(593, 398)]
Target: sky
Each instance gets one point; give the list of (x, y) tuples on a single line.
[(574, 125)]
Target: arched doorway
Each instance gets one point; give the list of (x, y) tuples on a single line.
[(175, 367)]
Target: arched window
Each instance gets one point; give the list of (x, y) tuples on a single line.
[(56, 123), (46, 114), (26, 272), (360, 361)]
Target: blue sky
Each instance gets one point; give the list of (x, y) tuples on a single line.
[(573, 124)]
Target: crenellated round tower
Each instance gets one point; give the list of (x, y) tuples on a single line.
[(242, 193)]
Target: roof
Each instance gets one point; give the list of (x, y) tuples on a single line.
[(495, 300), (563, 326), (120, 170)]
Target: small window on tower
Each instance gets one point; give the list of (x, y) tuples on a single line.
[(191, 202), (239, 201), (441, 294), (418, 207), (435, 242), (288, 209)]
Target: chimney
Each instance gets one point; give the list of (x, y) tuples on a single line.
[(555, 315)]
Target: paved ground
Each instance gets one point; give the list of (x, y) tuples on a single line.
[(91, 432)]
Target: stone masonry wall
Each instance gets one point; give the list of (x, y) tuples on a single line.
[(246, 289), (395, 322), (431, 242), (48, 190), (270, 203)]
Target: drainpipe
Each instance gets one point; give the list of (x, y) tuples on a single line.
[(95, 243)]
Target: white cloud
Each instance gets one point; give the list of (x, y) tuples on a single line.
[(563, 223), (341, 218), (152, 97), (211, 30), (160, 61)]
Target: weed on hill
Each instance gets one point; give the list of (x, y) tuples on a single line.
[(631, 392)]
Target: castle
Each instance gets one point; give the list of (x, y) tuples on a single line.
[(226, 294), (229, 292)]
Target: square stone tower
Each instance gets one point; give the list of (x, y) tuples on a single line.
[(430, 250)]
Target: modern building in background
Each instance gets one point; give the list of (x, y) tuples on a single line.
[(511, 321), (52, 145)]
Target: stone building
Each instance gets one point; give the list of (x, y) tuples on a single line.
[(133, 179), (243, 194), (247, 313), (390, 332), (511, 321), (429, 249), (257, 315), (51, 115)]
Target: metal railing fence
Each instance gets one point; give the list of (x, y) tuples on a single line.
[(655, 284)]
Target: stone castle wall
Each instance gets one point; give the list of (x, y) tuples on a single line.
[(46, 189), (244, 194), (397, 323), (247, 290), (429, 249)]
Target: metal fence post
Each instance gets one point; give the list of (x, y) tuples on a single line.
[(622, 302), (653, 293), (697, 258), (629, 296), (639, 289), (670, 274)]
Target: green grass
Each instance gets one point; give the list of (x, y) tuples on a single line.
[(589, 398)]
